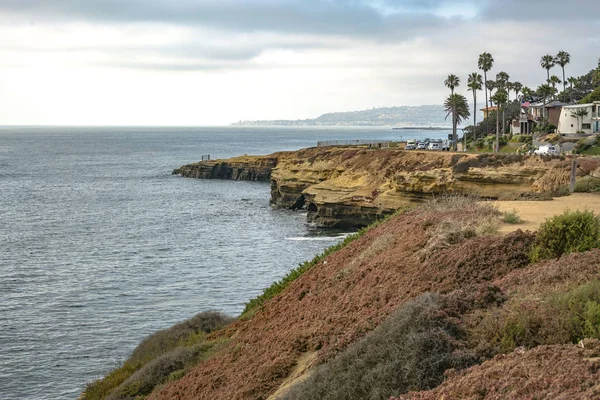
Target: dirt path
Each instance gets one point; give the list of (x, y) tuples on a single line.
[(534, 213)]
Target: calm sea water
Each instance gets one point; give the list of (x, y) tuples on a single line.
[(100, 245)]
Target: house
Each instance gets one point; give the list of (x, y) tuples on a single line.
[(589, 123), (488, 110), (524, 124), (553, 111)]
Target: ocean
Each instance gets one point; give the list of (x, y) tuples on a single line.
[(101, 246)]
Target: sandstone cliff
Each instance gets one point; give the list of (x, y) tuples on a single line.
[(352, 186)]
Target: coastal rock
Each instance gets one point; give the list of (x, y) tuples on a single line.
[(345, 187), (245, 168)]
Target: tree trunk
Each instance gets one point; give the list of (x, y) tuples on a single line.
[(474, 114), (564, 86), (503, 122), (486, 97), (544, 109), (497, 129), (571, 94), (454, 136)]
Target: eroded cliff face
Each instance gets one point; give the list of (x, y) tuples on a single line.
[(351, 187), (244, 168)]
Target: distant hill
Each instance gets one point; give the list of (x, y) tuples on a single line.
[(405, 116)]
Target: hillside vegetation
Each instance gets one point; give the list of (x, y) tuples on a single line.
[(422, 305)]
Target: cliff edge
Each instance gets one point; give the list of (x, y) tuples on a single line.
[(348, 187)]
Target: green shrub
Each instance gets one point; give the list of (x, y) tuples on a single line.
[(408, 351), (184, 333), (580, 310), (588, 185), (588, 146), (572, 231), (511, 217), (591, 97), (522, 138), (552, 318), (187, 333), (277, 287), (159, 371)]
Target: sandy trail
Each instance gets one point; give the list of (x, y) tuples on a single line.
[(534, 213)]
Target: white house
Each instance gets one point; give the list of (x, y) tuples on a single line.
[(588, 122)]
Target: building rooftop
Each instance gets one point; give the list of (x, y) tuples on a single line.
[(492, 108)]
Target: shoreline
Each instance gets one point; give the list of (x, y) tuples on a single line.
[(353, 186)]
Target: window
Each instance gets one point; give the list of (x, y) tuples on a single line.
[(586, 126)]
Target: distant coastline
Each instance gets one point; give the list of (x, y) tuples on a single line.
[(425, 117), (423, 128)]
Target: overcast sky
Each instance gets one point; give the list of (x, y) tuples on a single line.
[(210, 62)]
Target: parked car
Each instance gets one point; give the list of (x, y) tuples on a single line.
[(547, 150), (410, 147), (446, 145), (421, 146), (434, 146)]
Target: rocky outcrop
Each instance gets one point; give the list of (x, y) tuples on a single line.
[(245, 168), (352, 186)]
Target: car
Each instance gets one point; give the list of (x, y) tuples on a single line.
[(547, 150), (410, 147), (421, 146), (434, 146)]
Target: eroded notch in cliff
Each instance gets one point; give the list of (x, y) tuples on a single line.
[(299, 203)]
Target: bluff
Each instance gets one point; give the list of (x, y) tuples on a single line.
[(430, 300), (346, 187)]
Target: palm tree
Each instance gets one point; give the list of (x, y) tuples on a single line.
[(502, 79), (572, 80), (563, 58), (554, 80), (527, 93), (474, 82), (485, 63), (545, 91), (500, 97), (579, 113), (503, 84), (457, 106), (491, 85), (517, 87), (451, 82), (547, 62)]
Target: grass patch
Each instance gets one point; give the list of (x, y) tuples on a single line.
[(572, 231), (456, 218), (527, 196), (148, 354), (589, 184), (511, 217), (508, 150), (591, 151), (409, 351), (552, 318), (277, 287)]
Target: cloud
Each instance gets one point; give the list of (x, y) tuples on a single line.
[(568, 13), (379, 19), (267, 59)]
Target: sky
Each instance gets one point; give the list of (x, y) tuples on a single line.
[(201, 62)]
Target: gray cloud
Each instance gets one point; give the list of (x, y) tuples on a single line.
[(563, 12), (334, 17)]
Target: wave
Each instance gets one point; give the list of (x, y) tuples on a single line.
[(319, 238)]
